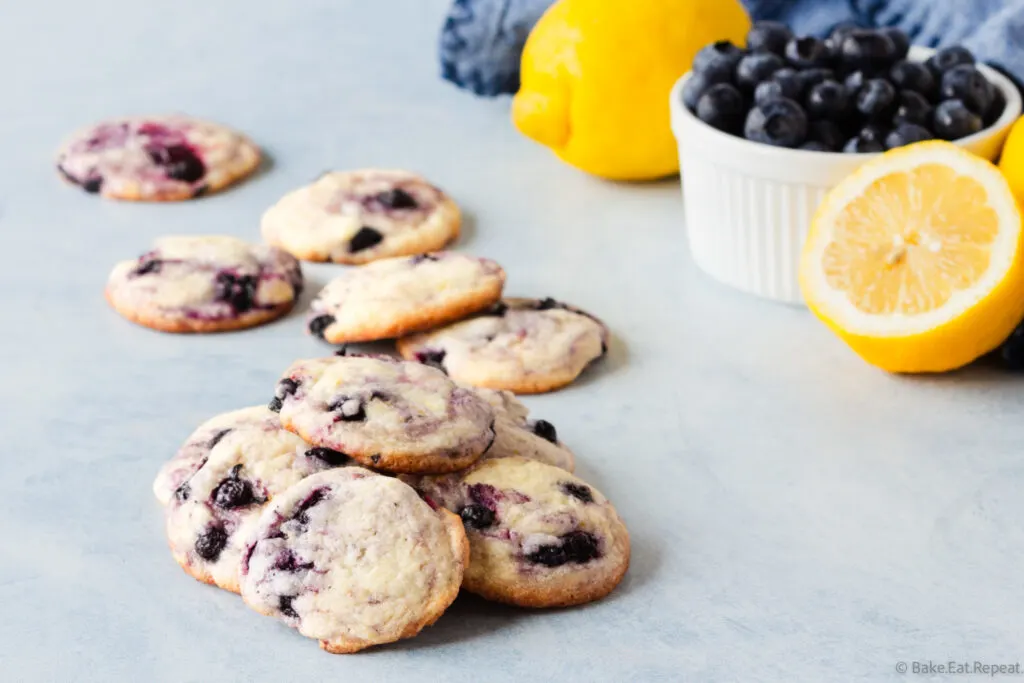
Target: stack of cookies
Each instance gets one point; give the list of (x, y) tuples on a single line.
[(370, 490)]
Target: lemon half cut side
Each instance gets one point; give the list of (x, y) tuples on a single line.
[(916, 259)]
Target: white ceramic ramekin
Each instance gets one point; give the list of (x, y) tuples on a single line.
[(748, 206)]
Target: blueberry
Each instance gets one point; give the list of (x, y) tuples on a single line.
[(349, 409), (900, 40), (808, 53), (237, 290), (1011, 352), (949, 57), (233, 493), (577, 546), (432, 358), (288, 562), (826, 134), (913, 76), (854, 81), (218, 437), (867, 50), (717, 61), (995, 110), (911, 107), (210, 543), (545, 430), (312, 499), (179, 162), (907, 134), (789, 80), (827, 100), (839, 33), (498, 310), (859, 145), (755, 68), (328, 455), (92, 185), (147, 267), (275, 405), (284, 605), (581, 547), (477, 516), (183, 492), (364, 239), (722, 107), (577, 491), (768, 36), (766, 91), (812, 77), (952, 120), (695, 86), (547, 303), (320, 323), (397, 198), (781, 123), (876, 99), (967, 84), (872, 133), (286, 387), (815, 146)]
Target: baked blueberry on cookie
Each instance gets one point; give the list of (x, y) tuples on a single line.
[(196, 449), (156, 158), (361, 216), (523, 345), (212, 512), (397, 296), (205, 284), (385, 413), (538, 536), (353, 559)]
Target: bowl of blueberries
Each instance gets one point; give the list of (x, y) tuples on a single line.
[(766, 130)]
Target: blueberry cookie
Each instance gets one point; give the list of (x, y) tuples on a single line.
[(398, 296), (156, 158), (361, 216), (212, 513), (538, 536), (385, 413), (354, 559), (523, 345), (205, 284), (196, 449)]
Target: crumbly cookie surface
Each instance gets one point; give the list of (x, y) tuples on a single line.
[(211, 513), (398, 296), (354, 559), (522, 345), (360, 216), (539, 537), (388, 414)]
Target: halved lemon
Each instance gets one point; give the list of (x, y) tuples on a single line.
[(916, 260)]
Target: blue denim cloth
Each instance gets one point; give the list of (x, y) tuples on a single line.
[(482, 39)]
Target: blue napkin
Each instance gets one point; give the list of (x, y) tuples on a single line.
[(482, 40)]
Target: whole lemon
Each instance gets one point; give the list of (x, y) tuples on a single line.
[(1012, 161), (596, 75)]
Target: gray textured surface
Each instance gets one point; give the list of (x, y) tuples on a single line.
[(796, 515)]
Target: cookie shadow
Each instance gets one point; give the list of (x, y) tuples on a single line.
[(468, 617)]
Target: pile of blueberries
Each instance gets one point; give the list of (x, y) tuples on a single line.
[(854, 91)]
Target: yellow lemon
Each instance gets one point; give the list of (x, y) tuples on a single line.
[(916, 260), (596, 75), (1012, 161)]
